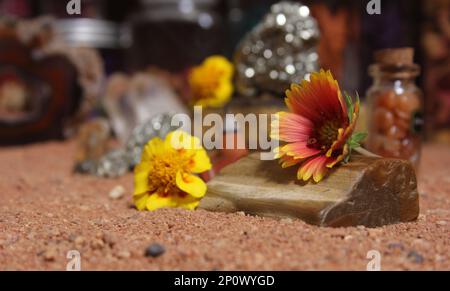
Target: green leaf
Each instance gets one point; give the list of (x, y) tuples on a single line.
[(358, 137), (353, 145), (349, 103), (355, 140), (357, 96), (347, 158)]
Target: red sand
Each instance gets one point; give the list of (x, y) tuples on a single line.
[(45, 211)]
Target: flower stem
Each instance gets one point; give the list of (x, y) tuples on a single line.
[(365, 152)]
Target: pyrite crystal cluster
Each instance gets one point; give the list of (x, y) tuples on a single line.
[(119, 161), (158, 126), (279, 51)]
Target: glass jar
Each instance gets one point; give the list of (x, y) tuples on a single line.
[(175, 34), (395, 106)]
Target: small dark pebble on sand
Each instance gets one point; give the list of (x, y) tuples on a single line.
[(155, 250), (415, 257), (393, 246)]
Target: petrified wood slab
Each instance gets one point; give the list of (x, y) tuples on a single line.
[(367, 191)]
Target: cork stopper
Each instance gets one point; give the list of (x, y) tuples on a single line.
[(396, 57)]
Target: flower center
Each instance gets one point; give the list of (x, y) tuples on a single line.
[(163, 172), (325, 135), (209, 83)]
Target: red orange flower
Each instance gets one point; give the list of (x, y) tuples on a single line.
[(319, 129)]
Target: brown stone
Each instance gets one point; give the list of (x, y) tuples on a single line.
[(366, 191), (92, 140)]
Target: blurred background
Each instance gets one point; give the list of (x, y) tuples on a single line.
[(175, 34), (170, 36)]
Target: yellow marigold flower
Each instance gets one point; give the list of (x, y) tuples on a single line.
[(165, 177), (211, 82)]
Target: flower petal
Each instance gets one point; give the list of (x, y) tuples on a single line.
[(211, 82), (291, 127), (221, 96), (333, 161), (299, 150), (140, 201), (141, 174), (277, 153), (156, 201), (287, 161), (313, 167), (191, 184), (320, 172), (317, 99), (220, 63), (201, 162), (153, 148), (340, 139), (181, 140), (187, 202), (347, 133)]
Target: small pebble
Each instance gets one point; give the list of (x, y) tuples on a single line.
[(50, 254), (286, 220), (124, 255), (30, 236), (393, 246), (97, 244), (109, 239), (374, 232), (155, 250), (441, 222), (422, 217), (84, 208), (415, 257), (53, 233), (348, 237), (117, 192), (79, 241)]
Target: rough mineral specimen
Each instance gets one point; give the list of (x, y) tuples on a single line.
[(92, 144), (279, 51), (159, 125), (366, 191), (131, 101), (118, 162), (114, 164)]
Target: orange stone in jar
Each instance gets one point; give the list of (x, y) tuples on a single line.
[(402, 124), (383, 119), (391, 147), (396, 133), (387, 100), (376, 142), (407, 103), (408, 148)]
